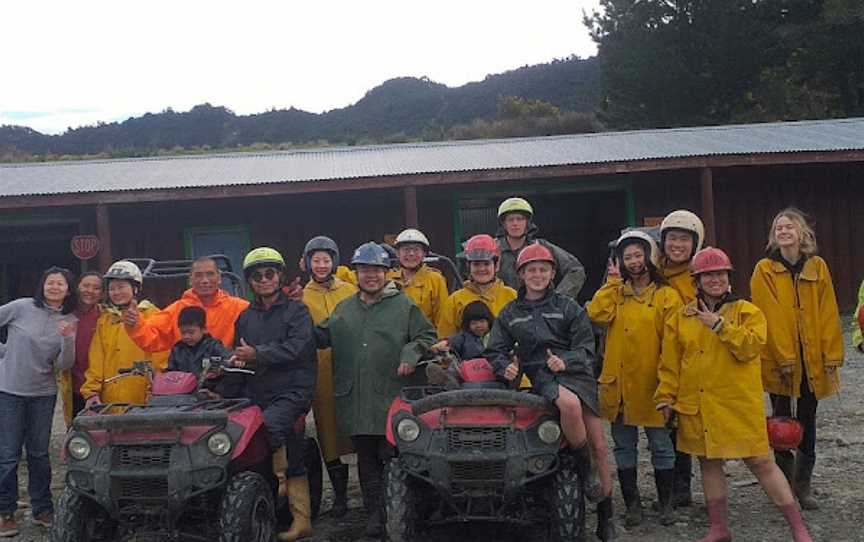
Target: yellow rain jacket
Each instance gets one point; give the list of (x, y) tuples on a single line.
[(857, 335), (345, 274), (633, 340), (427, 288), (712, 380), (678, 275), (450, 315), (802, 317), (111, 350), (321, 299)]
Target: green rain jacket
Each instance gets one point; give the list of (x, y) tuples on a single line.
[(369, 342)]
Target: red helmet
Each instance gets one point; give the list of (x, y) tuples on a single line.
[(710, 259), (784, 433), (535, 252), (481, 248)]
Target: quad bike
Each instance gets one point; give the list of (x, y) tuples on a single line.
[(184, 465), (480, 453)]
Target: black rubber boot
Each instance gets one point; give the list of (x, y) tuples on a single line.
[(803, 476), (606, 531), (585, 468), (371, 485), (681, 494), (630, 492), (664, 480), (338, 473)]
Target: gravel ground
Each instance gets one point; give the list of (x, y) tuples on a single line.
[(836, 480)]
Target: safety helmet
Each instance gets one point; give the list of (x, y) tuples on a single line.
[(515, 205), (535, 252), (124, 270), (784, 433), (391, 252), (481, 248), (642, 238), (262, 256), (687, 221), (710, 259), (371, 254), (322, 244), (412, 235)]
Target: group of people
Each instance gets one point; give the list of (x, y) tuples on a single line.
[(684, 359)]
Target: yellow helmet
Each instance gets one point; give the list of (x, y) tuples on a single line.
[(262, 256), (515, 205)]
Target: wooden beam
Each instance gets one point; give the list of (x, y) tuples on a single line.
[(707, 189), (103, 231), (411, 219)]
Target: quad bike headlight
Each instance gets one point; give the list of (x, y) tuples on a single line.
[(549, 432), (79, 448), (219, 444), (408, 430)]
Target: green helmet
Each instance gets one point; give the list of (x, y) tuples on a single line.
[(262, 256), (515, 205)]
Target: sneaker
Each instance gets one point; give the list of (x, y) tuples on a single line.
[(8, 526), (45, 519)]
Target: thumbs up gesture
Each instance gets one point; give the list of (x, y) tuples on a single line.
[(555, 364), (243, 354), (131, 316)]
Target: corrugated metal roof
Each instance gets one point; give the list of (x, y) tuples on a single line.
[(382, 161)]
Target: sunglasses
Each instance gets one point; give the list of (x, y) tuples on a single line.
[(259, 276)]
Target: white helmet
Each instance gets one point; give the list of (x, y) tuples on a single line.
[(124, 270), (683, 220), (642, 236), (412, 236)]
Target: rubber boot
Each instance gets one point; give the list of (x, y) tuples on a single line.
[(718, 526), (338, 473), (587, 471), (371, 485), (606, 531), (280, 465), (786, 462), (301, 510), (803, 476), (664, 480), (681, 494), (630, 491), (796, 523)]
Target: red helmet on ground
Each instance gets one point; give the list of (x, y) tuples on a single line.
[(481, 248), (535, 252), (784, 433), (710, 259)]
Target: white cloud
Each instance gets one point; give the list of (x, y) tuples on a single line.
[(114, 59)]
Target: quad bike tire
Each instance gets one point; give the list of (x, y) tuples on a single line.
[(399, 507), (315, 475), (247, 512), (567, 505), (79, 519)]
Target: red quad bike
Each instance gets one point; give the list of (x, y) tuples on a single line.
[(183, 466), (480, 453)]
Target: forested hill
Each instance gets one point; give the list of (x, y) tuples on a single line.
[(398, 110)]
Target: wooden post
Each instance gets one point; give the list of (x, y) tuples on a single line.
[(410, 194), (103, 231), (707, 185)]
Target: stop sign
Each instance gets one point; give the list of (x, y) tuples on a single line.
[(85, 247)]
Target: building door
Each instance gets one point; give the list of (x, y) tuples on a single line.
[(232, 241)]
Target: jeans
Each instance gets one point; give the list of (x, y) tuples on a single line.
[(26, 422), (626, 450), (373, 453)]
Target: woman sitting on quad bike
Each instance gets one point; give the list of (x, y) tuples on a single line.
[(553, 342)]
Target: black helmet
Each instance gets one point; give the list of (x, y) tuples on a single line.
[(320, 243)]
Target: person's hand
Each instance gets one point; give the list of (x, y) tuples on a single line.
[(704, 314), (66, 328), (511, 372), (294, 290), (440, 346), (301, 265), (667, 415), (405, 369), (243, 354), (613, 269), (555, 364), (131, 316), (92, 401), (830, 370), (785, 373)]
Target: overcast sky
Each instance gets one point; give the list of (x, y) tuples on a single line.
[(67, 64)]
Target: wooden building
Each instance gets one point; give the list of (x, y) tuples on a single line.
[(584, 188)]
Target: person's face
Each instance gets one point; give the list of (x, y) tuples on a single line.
[(478, 328), (678, 246), (714, 283), (191, 335), (786, 233), (205, 278), (515, 224), (634, 259), (120, 292), (537, 276), (322, 265), (55, 289), (265, 280), (482, 272), (89, 290), (410, 255), (371, 278)]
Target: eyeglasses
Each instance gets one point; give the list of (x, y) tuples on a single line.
[(259, 276)]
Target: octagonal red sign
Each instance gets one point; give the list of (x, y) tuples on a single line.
[(85, 247)]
